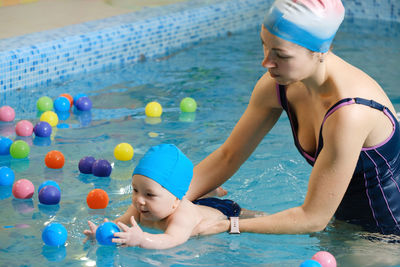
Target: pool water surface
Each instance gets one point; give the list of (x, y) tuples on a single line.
[(220, 74)]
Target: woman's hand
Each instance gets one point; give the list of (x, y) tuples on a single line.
[(131, 236)]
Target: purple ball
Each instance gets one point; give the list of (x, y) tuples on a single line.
[(84, 103), (42, 129), (101, 168), (85, 165), (49, 195)]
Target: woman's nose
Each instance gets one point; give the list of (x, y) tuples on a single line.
[(267, 61)]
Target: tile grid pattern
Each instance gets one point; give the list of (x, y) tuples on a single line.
[(42, 58)]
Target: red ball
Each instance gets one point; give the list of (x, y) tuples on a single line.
[(97, 199), (54, 160)]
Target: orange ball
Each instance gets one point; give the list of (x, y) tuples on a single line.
[(70, 98), (97, 199), (54, 160)]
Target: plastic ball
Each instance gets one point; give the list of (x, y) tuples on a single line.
[(97, 199), (49, 195), (85, 165), (24, 128), (105, 233), (54, 159), (5, 144), (23, 189), (310, 263), (6, 176), (69, 97), (42, 129), (48, 182), (325, 258), (77, 96), (19, 149), (44, 103), (83, 103), (54, 234), (7, 113), (62, 116), (62, 104), (50, 117), (101, 168), (188, 104), (123, 151), (153, 109)]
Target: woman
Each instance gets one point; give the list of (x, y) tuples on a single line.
[(342, 122)]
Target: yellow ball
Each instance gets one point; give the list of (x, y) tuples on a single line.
[(123, 151), (50, 117), (153, 109)]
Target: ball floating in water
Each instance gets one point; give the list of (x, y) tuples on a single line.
[(310, 263), (19, 149), (42, 129), (153, 109), (23, 189), (54, 159), (49, 195), (105, 233), (69, 97), (83, 103), (97, 199), (7, 113), (6, 176), (85, 164), (44, 103), (49, 182), (123, 152), (5, 144), (325, 258), (62, 104), (77, 96), (54, 234), (50, 117), (24, 128), (101, 168), (188, 104)]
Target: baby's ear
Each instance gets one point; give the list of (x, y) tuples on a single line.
[(176, 203)]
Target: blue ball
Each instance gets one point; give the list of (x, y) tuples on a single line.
[(42, 129), (5, 144), (49, 195), (105, 233), (77, 96), (54, 234), (84, 103), (6, 176), (61, 104), (101, 168), (86, 164), (310, 263), (48, 182)]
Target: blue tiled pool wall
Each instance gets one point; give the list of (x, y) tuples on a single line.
[(39, 59)]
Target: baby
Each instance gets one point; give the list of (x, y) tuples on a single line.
[(159, 183)]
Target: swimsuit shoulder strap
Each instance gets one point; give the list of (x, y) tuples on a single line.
[(281, 94)]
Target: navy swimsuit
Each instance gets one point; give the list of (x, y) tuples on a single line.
[(228, 207), (373, 196)]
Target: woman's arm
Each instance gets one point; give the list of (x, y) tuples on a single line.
[(260, 116)]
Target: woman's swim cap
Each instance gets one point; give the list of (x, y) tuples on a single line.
[(168, 166), (308, 23)]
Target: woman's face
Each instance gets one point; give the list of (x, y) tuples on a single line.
[(287, 62)]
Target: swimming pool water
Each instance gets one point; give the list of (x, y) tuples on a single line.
[(220, 75)]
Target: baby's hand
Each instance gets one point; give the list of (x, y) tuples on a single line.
[(91, 233), (131, 236)]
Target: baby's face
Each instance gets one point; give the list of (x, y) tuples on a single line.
[(153, 201)]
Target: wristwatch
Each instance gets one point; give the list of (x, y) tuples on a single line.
[(234, 225)]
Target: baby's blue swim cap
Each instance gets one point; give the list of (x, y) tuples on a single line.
[(308, 23), (168, 166)]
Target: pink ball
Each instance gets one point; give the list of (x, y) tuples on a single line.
[(24, 128), (325, 258), (23, 189), (7, 113)]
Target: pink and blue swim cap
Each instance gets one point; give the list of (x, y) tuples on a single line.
[(168, 166), (308, 23)]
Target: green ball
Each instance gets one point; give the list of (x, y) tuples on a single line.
[(44, 103), (188, 104), (19, 149)]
